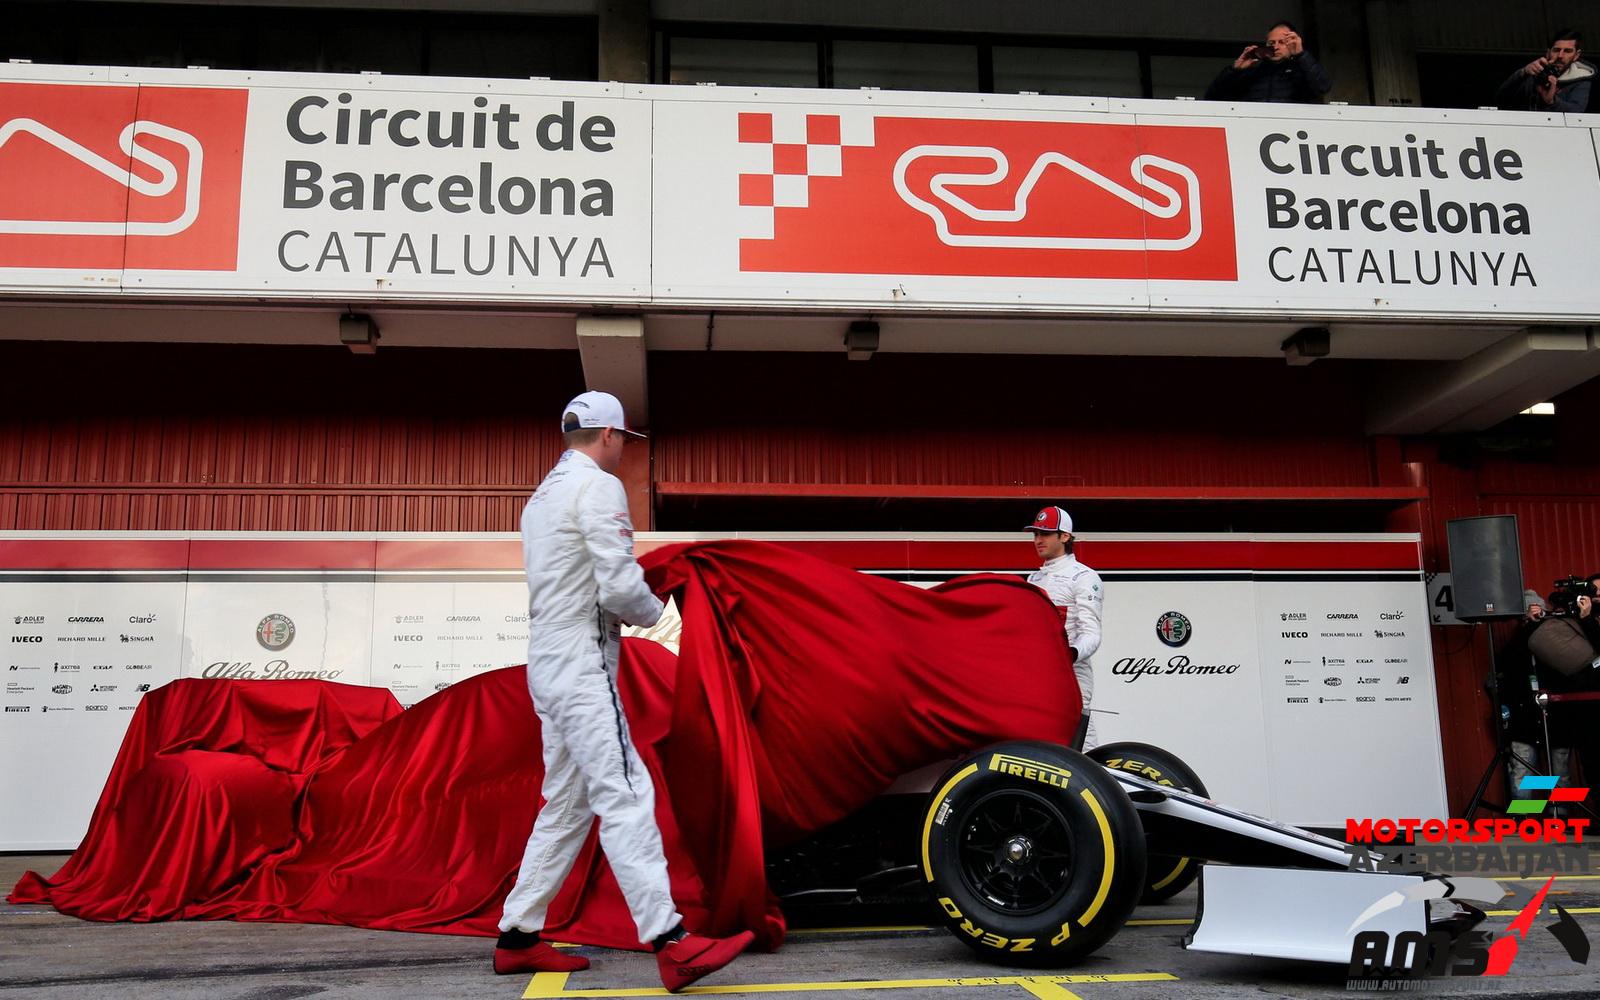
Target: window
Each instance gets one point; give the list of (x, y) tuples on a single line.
[(1095, 72), (905, 66), (1184, 76), (743, 62)]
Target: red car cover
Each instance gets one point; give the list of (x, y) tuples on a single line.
[(802, 691)]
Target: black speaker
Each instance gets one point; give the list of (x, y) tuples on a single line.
[(1485, 567)]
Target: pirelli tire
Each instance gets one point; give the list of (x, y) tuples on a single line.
[(1165, 876), (1033, 854)]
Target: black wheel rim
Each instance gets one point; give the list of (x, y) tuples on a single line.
[(1015, 851)]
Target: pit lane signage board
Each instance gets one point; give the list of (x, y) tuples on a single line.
[(196, 184), (212, 183), (915, 201)]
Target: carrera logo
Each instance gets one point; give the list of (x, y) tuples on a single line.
[(957, 196), (106, 178)]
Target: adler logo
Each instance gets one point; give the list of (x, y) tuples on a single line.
[(71, 201), (28, 619), (983, 197)]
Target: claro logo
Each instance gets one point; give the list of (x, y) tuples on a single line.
[(970, 196), (102, 178)]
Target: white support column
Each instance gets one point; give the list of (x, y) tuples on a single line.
[(613, 353), (1492, 385)]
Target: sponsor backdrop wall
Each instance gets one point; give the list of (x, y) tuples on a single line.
[(1287, 669), (200, 183)]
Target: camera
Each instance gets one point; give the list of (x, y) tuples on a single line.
[(1564, 599)]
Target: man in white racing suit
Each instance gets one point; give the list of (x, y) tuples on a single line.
[(583, 583), (1076, 591)]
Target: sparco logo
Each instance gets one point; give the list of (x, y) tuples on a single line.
[(274, 632), (1366, 699), (27, 638), (1173, 629), (1342, 616), (88, 619), (1333, 682), (18, 708), (61, 689), (1391, 616), (408, 638), (28, 619), (462, 618), (1293, 616), (1296, 635)]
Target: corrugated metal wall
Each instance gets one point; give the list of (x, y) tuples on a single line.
[(202, 437), (986, 420)]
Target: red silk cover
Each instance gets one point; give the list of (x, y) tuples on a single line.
[(803, 690)]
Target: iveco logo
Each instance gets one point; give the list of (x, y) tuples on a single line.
[(1295, 635), (408, 638), (27, 638)]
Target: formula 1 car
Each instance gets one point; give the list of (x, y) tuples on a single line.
[(1035, 854)]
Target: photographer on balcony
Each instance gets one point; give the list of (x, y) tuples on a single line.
[(1555, 81), (1279, 70)]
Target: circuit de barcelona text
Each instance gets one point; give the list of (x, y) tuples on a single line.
[(1413, 210), (493, 195)]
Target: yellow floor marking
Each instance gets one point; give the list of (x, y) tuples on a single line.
[(1541, 878), (1046, 990), (1569, 909), (553, 985)]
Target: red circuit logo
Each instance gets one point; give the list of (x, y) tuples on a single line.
[(987, 198), (104, 178)]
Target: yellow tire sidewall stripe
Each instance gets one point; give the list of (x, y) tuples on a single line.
[(1182, 864), (1109, 870), (933, 810)]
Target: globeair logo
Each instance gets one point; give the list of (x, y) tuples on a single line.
[(108, 177), (980, 197)]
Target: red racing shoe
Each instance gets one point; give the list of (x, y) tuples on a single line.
[(693, 957), (538, 957)]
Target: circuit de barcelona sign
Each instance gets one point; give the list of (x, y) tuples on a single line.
[(221, 185)]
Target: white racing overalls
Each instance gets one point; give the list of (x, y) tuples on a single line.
[(577, 546), (1076, 589)]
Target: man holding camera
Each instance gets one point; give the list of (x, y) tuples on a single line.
[(1279, 70), (1556, 81)]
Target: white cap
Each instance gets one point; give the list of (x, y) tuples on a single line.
[(595, 409)]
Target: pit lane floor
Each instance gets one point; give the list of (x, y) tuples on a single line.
[(48, 956)]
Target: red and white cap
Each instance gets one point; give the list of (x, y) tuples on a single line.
[(1051, 519), (595, 409)]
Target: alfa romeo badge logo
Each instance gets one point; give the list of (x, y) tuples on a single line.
[(275, 632), (1173, 628)]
